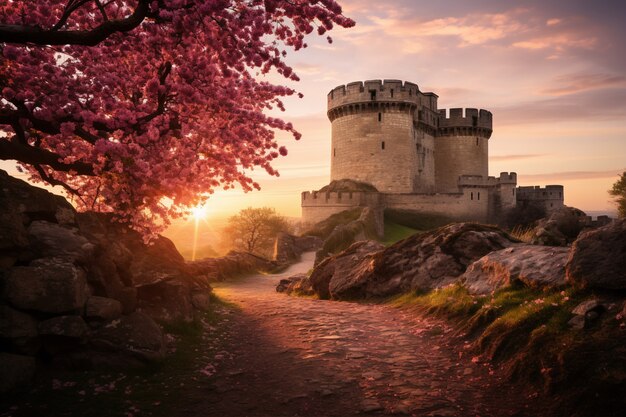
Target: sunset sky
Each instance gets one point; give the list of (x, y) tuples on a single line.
[(552, 72)]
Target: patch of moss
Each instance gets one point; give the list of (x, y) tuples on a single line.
[(451, 301)]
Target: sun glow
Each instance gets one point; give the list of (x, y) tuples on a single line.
[(198, 212)]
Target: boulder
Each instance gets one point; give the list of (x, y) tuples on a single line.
[(73, 327), (102, 309), (201, 300), (598, 258), (421, 262), (135, 336), (33, 203), (560, 228), (288, 248), (586, 313), (232, 265), (298, 284), (50, 240), (48, 285), (19, 330), (17, 371), (342, 275), (168, 300), (534, 266)]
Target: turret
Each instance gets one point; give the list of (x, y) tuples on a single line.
[(374, 138), (461, 146)]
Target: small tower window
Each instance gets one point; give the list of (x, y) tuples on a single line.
[(513, 191), (382, 145), (373, 94), (471, 196), (334, 151), (476, 141), (392, 93), (478, 196), (380, 117)]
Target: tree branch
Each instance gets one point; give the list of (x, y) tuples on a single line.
[(13, 149), (91, 37)]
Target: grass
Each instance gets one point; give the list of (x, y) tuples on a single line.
[(525, 332), (523, 233), (395, 232), (150, 391), (416, 220)]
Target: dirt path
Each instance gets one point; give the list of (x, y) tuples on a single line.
[(289, 356)]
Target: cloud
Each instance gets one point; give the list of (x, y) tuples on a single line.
[(572, 83), (558, 42), (587, 105), (571, 175), (514, 157)]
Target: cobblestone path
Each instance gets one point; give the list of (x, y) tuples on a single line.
[(290, 356)]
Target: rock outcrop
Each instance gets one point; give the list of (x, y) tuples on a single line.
[(420, 262), (598, 258), (341, 276), (298, 284), (369, 225), (560, 228), (231, 265), (75, 286), (534, 266), (288, 248)]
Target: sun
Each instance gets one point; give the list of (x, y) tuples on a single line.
[(198, 212)]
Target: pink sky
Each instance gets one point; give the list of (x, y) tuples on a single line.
[(552, 72)]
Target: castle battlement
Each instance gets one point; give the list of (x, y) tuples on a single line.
[(469, 117), (379, 90), (535, 192)]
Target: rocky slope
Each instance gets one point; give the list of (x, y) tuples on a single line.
[(78, 291)]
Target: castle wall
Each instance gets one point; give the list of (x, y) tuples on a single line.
[(318, 206), (375, 145), (550, 198), (470, 204)]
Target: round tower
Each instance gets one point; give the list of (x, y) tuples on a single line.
[(461, 147), (373, 137)]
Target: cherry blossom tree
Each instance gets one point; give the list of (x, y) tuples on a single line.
[(142, 108)]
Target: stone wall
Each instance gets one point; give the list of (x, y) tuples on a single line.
[(318, 206), (550, 198), (470, 204)]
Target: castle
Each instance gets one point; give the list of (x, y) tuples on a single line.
[(417, 157)]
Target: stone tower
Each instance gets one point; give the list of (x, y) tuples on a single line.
[(375, 137), (391, 135), (462, 147)]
